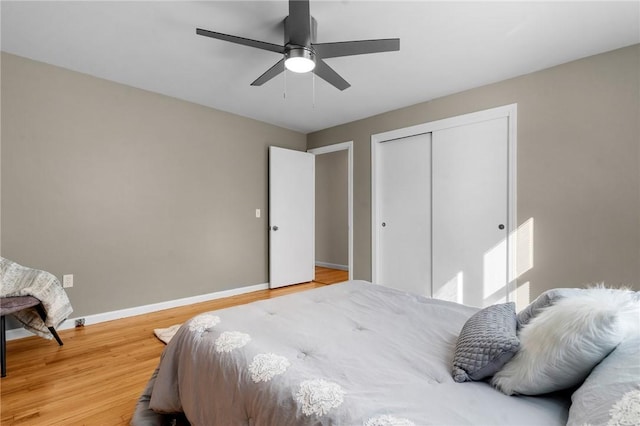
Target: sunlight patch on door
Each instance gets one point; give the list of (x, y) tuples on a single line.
[(495, 272), (452, 290)]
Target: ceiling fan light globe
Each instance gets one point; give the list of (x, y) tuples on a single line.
[(300, 60), (299, 65)]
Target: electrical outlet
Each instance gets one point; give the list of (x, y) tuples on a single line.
[(67, 281), (80, 322)]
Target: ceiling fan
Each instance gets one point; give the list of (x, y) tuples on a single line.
[(301, 53)]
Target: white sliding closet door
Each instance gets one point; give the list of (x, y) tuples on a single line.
[(443, 204), (469, 212), (403, 216)]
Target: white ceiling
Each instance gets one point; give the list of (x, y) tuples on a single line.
[(445, 47)]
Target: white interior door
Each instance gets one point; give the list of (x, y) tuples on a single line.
[(403, 216), (291, 217), (469, 213)]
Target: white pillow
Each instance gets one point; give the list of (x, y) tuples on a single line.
[(561, 345)]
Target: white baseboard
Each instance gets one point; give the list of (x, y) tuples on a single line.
[(333, 266), (19, 333)]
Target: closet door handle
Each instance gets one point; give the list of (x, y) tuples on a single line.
[(501, 226)]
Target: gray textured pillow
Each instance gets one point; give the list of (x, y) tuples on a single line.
[(543, 301), (487, 341)]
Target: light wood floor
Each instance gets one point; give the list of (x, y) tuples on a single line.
[(99, 373)]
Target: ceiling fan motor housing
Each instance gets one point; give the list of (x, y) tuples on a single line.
[(299, 54), (294, 35)]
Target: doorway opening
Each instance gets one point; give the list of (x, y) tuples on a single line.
[(334, 208)]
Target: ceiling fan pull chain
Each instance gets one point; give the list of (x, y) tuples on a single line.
[(284, 94), (313, 86)]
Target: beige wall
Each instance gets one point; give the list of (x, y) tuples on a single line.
[(144, 198), (332, 215), (578, 166)]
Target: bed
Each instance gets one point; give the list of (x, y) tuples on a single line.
[(354, 353)]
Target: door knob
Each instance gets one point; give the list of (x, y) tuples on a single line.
[(384, 224), (275, 228), (501, 226)]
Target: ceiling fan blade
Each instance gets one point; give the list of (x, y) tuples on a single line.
[(361, 47), (270, 73), (327, 73), (241, 40), (299, 23)]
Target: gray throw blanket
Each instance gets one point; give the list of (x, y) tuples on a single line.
[(17, 280)]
